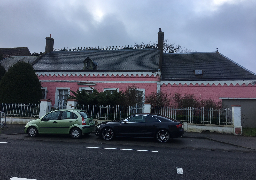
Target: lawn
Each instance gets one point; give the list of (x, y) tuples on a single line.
[(249, 132)]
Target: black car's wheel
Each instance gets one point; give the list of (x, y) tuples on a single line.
[(32, 131), (107, 134), (75, 133), (162, 135)]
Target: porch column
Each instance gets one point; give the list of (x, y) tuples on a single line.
[(236, 118), (71, 103), (45, 107)]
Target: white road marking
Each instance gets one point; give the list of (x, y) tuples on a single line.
[(179, 170), (139, 150), (3, 142), (110, 148), (15, 178)]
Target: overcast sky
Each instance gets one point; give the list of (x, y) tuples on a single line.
[(198, 25)]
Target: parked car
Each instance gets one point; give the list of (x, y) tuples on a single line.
[(142, 125), (73, 122)]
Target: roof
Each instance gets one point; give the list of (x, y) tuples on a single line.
[(18, 51), (106, 60), (10, 61), (202, 66)]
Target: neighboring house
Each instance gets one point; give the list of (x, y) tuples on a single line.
[(18, 51), (206, 75)]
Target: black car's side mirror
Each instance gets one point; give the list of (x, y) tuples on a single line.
[(125, 121)]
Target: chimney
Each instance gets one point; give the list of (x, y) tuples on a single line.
[(49, 44), (160, 46)]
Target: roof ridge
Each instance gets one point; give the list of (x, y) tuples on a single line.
[(109, 48), (194, 53), (236, 63)]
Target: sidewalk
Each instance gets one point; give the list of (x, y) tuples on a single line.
[(236, 140), (239, 141), (13, 129)]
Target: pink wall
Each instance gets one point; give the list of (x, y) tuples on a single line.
[(149, 83), (213, 92), (141, 82)]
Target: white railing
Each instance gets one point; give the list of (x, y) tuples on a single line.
[(198, 115), (20, 110), (109, 112)]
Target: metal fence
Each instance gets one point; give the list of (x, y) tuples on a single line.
[(116, 112), (20, 110), (198, 115)]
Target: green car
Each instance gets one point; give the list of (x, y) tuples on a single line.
[(73, 122)]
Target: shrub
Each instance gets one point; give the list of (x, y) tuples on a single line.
[(20, 85), (128, 98), (2, 72)]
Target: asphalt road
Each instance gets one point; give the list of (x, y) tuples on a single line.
[(60, 157)]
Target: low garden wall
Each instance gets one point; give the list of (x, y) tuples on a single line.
[(227, 129)]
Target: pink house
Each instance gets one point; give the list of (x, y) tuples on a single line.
[(206, 75)]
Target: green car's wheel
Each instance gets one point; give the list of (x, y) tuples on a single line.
[(32, 131), (75, 133), (107, 134)]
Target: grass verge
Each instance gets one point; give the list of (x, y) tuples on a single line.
[(249, 132)]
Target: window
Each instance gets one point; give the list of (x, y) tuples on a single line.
[(44, 93), (83, 114), (137, 119), (138, 108), (61, 97), (68, 115), (111, 90), (89, 90), (151, 119), (52, 116)]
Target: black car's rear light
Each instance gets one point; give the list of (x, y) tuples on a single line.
[(179, 125)]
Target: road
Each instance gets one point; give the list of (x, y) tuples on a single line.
[(59, 157)]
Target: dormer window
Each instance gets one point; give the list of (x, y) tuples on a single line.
[(89, 64)]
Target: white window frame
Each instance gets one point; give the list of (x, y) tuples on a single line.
[(86, 88), (143, 100), (57, 94), (111, 89)]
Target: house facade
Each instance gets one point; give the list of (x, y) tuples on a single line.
[(208, 75)]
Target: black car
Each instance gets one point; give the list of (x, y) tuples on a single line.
[(142, 125)]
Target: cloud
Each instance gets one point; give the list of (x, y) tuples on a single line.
[(229, 25)]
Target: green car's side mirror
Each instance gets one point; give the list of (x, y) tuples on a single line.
[(44, 119)]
